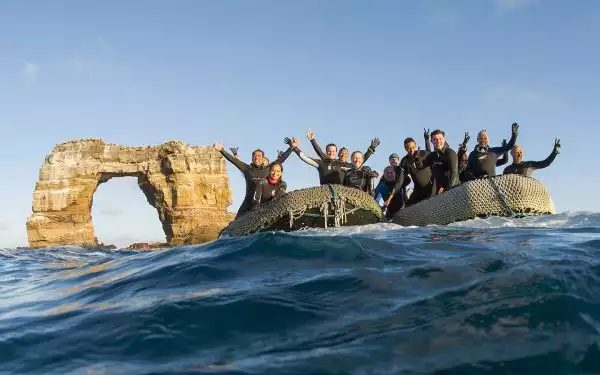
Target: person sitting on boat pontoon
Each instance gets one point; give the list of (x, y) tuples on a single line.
[(270, 187), (483, 159), (359, 176), (526, 168)]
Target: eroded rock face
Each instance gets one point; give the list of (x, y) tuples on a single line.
[(188, 186)]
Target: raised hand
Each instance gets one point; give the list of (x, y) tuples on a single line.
[(427, 133), (466, 139), (374, 143), (217, 146), (557, 146), (234, 150), (287, 141), (504, 143), (295, 142), (279, 153), (310, 135), (515, 128)]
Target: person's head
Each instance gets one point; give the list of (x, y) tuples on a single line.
[(410, 146), (438, 139), (331, 150), (388, 173), (517, 154), (483, 139), (343, 154), (394, 159), (357, 159), (265, 161), (276, 171), (257, 157)]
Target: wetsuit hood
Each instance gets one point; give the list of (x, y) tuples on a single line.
[(481, 149)]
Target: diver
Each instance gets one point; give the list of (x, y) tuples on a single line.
[(254, 172), (343, 154), (270, 187), (384, 187), (423, 183), (443, 162), (395, 186), (359, 176), (331, 170), (482, 160), (331, 155), (526, 168)]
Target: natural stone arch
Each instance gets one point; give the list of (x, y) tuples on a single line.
[(188, 186)]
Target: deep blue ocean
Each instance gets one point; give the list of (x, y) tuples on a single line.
[(495, 296)]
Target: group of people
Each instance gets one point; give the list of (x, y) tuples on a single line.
[(432, 172)]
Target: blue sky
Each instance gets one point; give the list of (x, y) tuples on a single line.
[(249, 73)]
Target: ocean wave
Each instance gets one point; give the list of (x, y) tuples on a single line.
[(493, 296)]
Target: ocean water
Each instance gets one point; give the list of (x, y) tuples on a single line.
[(497, 296)]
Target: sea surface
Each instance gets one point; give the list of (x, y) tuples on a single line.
[(495, 296)]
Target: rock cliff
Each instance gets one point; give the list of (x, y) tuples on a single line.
[(188, 186)]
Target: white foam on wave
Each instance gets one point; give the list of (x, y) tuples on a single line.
[(566, 219)]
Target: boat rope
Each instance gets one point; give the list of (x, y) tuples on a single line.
[(501, 197)]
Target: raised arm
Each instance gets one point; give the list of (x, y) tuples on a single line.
[(511, 142), (311, 137), (399, 183), (427, 137), (243, 167), (502, 159), (546, 162), (453, 161), (371, 150), (422, 163)]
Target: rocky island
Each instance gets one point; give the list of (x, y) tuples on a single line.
[(187, 185)]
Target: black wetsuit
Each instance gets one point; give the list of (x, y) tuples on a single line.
[(526, 168), (360, 178), (483, 160), (265, 191), (422, 178), (253, 175), (332, 171), (397, 189), (465, 174), (444, 167)]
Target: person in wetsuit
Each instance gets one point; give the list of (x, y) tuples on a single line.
[(385, 185), (443, 162), (482, 160), (270, 187), (343, 154), (254, 172), (526, 168), (331, 170), (423, 183), (359, 176)]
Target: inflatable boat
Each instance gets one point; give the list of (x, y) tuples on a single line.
[(321, 206), (508, 195)]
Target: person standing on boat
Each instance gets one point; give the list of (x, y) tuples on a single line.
[(270, 187), (254, 172), (443, 162), (359, 176), (482, 160), (526, 168)]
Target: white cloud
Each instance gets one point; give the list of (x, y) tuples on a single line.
[(508, 5), (30, 71)]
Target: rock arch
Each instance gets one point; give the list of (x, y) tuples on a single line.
[(187, 185)]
